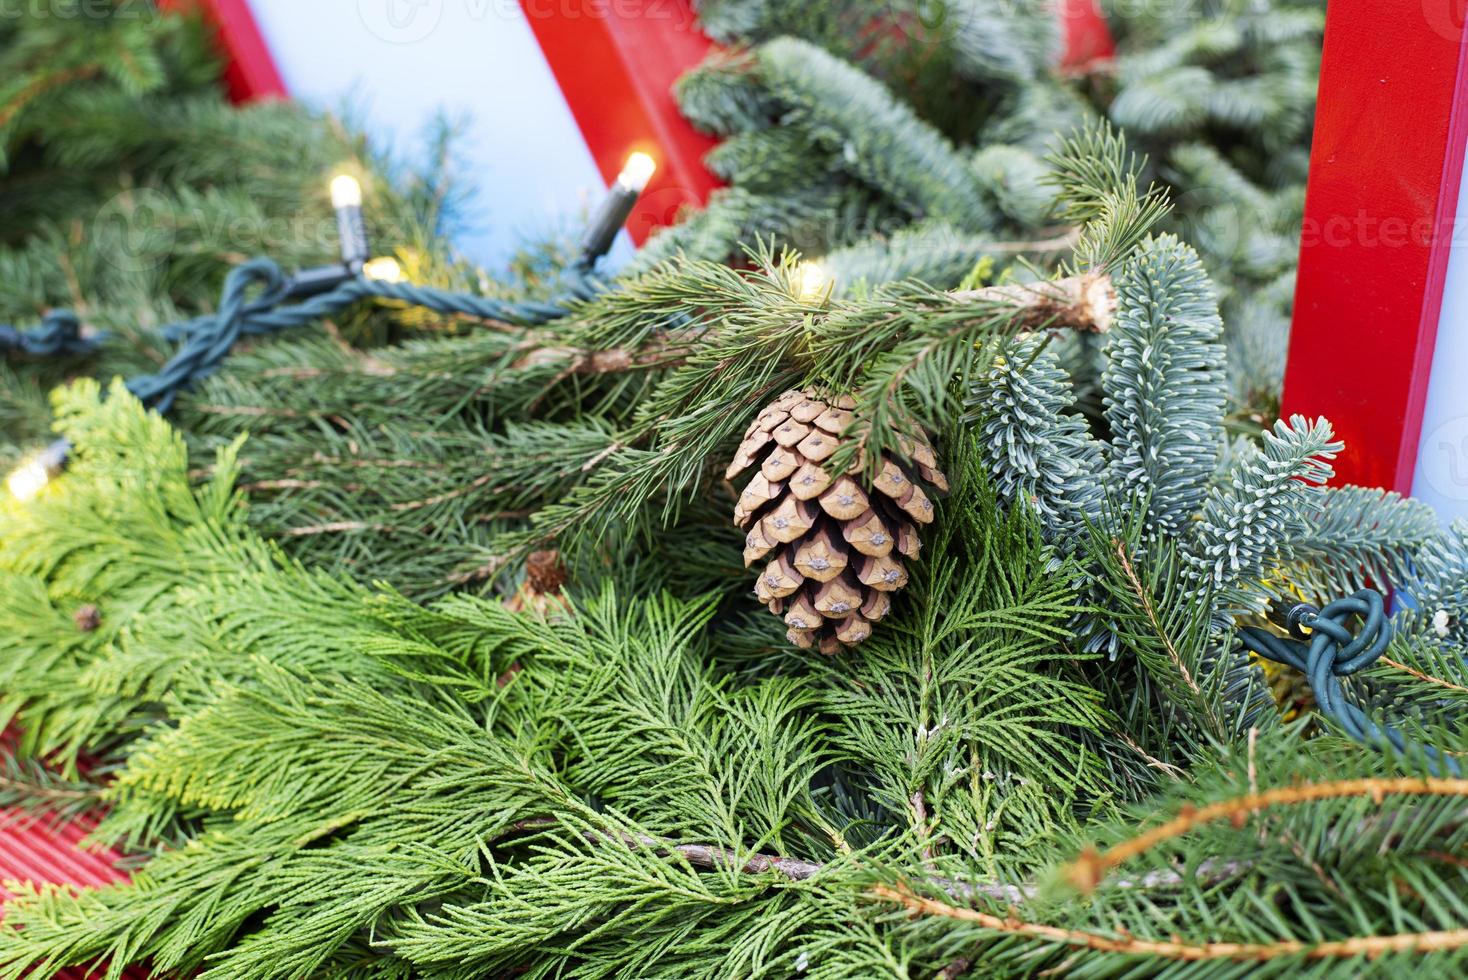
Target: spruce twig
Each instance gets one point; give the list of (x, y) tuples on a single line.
[(1357, 946), (1088, 870)]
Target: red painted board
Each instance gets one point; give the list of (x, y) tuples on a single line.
[(1087, 35), (1384, 174), (250, 70), (616, 65), (44, 851)]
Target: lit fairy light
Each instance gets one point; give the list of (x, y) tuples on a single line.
[(384, 269), (811, 280), (33, 475), (637, 171), (346, 192)]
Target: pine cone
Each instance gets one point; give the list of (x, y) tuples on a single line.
[(831, 541)]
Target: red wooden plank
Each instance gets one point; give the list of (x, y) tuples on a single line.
[(42, 851), (1384, 174), (250, 70), (616, 66), (1087, 35)]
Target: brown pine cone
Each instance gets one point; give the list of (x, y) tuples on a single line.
[(832, 543)]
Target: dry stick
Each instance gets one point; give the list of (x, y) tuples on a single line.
[(1414, 942), (336, 527), (796, 869), (1085, 303), (1155, 763), (1089, 869), (1421, 676), (42, 85)]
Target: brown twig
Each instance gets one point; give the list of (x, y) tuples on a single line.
[(1177, 949), (1090, 868), (47, 792), (797, 869), (700, 855), (1421, 676), (1084, 303), (1152, 761), (336, 527), (45, 84)]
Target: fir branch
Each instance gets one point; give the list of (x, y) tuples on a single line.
[(1164, 385)]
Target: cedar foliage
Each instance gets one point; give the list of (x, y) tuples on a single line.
[(331, 779), (336, 752), (354, 785)]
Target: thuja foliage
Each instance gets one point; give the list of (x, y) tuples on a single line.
[(905, 139), (1050, 757), (338, 782)]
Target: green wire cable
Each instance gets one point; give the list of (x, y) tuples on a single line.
[(1332, 652)]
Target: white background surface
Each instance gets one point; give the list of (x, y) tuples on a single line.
[(1442, 458), (395, 63)]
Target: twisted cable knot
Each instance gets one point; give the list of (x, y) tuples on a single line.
[(1327, 650), (59, 332), (207, 340), (212, 338)]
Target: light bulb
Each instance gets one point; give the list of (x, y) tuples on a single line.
[(28, 481), (384, 268), (346, 192), (637, 171), (811, 280), (33, 475)]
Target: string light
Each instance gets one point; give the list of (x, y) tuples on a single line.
[(347, 198), (351, 227), (811, 281), (384, 269), (346, 192), (35, 473), (637, 171), (620, 199)]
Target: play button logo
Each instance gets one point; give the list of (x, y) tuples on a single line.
[(400, 21)]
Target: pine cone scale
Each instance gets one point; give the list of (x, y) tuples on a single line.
[(834, 546)]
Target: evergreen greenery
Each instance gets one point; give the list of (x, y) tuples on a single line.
[(130, 186), (331, 779), (927, 122), (282, 647)]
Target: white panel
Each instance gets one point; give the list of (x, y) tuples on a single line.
[(395, 63), (1441, 477)]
